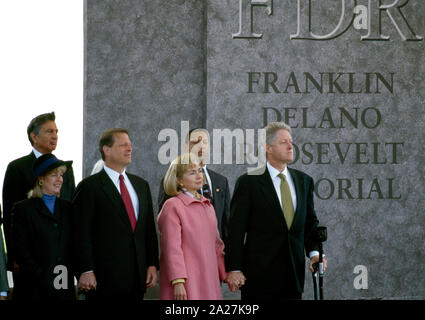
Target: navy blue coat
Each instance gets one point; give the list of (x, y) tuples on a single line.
[(42, 241), (18, 180)]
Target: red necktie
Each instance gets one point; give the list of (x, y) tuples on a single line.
[(127, 202)]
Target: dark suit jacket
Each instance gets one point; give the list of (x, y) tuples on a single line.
[(272, 258), (18, 180), (105, 241), (42, 241), (221, 200)]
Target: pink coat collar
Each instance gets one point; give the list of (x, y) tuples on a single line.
[(188, 200)]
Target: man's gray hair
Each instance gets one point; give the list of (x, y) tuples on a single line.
[(36, 124), (273, 128)]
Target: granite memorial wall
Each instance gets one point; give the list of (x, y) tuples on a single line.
[(346, 75)]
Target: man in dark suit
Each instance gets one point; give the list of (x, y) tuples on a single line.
[(18, 180), (216, 187), (115, 236), (274, 210)]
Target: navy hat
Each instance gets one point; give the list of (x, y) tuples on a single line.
[(47, 162)]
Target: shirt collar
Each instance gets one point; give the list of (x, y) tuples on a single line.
[(115, 176), (188, 198), (37, 153), (274, 172), (189, 194)]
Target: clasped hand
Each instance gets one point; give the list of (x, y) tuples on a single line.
[(235, 280), (87, 282)]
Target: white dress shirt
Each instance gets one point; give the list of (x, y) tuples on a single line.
[(115, 177), (277, 181), (36, 153)]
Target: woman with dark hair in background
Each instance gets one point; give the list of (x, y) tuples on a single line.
[(41, 230)]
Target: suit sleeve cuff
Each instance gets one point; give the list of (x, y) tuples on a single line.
[(313, 253)]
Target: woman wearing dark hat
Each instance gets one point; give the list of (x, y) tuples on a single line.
[(41, 227)]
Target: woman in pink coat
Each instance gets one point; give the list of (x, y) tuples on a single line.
[(191, 258)]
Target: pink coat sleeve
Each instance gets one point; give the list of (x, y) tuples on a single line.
[(169, 225), (219, 245)]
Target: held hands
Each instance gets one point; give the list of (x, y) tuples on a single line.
[(235, 280), (87, 282)]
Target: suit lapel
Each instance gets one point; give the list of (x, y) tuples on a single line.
[(299, 191), (114, 196), (139, 192), (271, 197), (44, 211), (31, 157), (216, 188), (58, 211), (269, 192)]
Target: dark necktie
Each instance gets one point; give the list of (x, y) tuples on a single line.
[(206, 191), (127, 202)]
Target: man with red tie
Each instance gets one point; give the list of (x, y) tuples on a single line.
[(116, 243)]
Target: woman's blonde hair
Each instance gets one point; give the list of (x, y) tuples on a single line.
[(178, 167), (36, 192)]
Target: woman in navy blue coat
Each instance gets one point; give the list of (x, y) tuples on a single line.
[(41, 227)]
